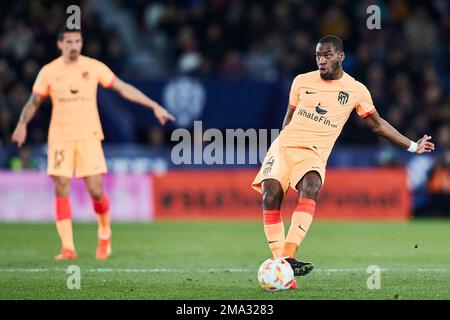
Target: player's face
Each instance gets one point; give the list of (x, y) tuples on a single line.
[(328, 61), (71, 45)]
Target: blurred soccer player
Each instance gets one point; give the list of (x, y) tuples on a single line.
[(320, 103), (75, 133)]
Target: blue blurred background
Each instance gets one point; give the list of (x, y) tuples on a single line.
[(230, 64)]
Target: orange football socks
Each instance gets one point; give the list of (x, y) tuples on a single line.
[(101, 208), (274, 230), (64, 222), (300, 222)]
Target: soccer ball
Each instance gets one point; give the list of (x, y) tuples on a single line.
[(276, 274)]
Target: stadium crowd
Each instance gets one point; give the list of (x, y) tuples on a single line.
[(403, 64)]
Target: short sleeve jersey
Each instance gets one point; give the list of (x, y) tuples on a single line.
[(73, 92), (322, 107)]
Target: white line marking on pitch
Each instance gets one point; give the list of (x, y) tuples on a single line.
[(234, 270)]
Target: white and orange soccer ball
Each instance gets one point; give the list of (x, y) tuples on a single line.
[(276, 274)]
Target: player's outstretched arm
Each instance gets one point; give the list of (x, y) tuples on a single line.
[(384, 129), (133, 94), (29, 110)]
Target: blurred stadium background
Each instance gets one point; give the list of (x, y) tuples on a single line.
[(230, 64)]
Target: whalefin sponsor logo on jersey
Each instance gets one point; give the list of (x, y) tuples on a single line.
[(317, 118), (319, 110), (73, 90)]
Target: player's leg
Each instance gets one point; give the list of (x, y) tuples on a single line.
[(60, 166), (272, 197), (272, 182), (308, 190), (64, 218), (91, 165), (100, 203)]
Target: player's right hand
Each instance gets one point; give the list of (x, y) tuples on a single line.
[(20, 134), (163, 115)]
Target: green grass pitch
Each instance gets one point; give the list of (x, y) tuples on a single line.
[(219, 260)]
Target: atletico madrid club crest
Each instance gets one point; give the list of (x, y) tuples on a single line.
[(342, 97)]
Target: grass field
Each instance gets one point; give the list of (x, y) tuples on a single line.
[(219, 260)]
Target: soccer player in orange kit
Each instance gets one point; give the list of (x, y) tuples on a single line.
[(75, 133), (320, 103)]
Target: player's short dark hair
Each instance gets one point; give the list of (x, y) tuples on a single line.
[(65, 29), (335, 41)]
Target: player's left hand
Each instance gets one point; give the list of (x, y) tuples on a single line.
[(424, 145), (163, 115)]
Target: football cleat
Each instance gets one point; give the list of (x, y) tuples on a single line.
[(300, 268), (103, 249), (66, 254)]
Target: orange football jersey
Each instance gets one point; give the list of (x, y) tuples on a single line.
[(322, 107), (73, 92)]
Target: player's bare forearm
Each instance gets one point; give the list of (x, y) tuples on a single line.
[(133, 94), (29, 110), (288, 117), (386, 130)]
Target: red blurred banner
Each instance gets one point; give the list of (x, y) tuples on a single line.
[(379, 194)]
